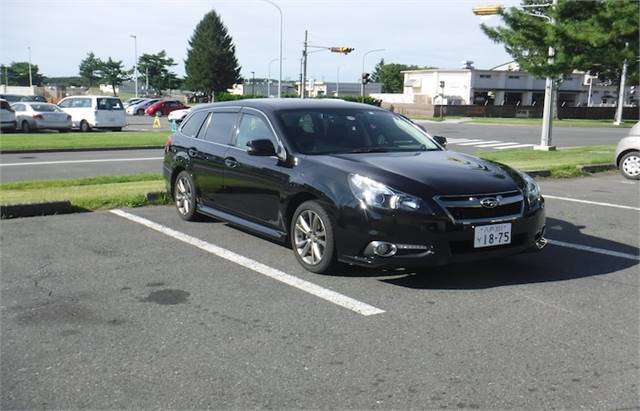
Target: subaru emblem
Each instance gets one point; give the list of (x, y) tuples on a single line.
[(489, 202)]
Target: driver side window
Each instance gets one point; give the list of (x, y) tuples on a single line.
[(253, 127)]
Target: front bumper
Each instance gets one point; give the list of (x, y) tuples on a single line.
[(445, 241)]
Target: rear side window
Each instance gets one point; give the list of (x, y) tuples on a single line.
[(192, 125), (79, 103), (220, 126), (17, 107), (109, 104)]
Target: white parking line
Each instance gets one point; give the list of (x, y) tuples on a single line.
[(321, 292), (103, 160), (575, 200), (479, 142), (595, 250), (468, 140), (496, 145), (516, 146)]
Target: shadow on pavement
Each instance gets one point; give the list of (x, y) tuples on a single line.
[(554, 263)]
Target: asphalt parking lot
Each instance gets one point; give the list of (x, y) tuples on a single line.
[(142, 310)]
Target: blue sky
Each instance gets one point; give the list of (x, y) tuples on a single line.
[(440, 33)]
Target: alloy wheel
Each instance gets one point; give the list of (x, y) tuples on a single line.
[(183, 195), (310, 237), (631, 165)]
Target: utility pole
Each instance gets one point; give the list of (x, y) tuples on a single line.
[(362, 85), (30, 78), (338, 83), (305, 53), (135, 61), (623, 76)]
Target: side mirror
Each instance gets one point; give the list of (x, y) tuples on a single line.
[(441, 140), (261, 147)]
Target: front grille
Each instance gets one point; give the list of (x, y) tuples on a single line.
[(470, 209)]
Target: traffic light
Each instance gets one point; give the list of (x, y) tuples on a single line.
[(345, 50), (366, 78), (487, 10)]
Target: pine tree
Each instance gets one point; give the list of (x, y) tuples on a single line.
[(211, 63), (89, 68)]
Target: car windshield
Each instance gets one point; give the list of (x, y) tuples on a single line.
[(339, 131), (44, 107)]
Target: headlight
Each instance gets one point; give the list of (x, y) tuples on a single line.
[(532, 190), (374, 194)]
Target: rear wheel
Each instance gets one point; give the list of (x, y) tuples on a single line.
[(140, 112), (630, 165), (312, 238), (84, 126), (184, 195), (25, 127)]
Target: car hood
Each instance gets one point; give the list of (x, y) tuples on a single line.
[(429, 173)]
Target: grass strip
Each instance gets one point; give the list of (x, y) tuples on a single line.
[(561, 163), (44, 141), (88, 193), (556, 123)]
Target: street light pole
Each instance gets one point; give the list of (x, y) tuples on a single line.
[(363, 59), (338, 83), (135, 61), (253, 83), (618, 119), (281, 27), (30, 78), (269, 78)]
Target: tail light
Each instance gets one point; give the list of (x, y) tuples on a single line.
[(38, 117)]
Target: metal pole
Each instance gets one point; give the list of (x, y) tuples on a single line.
[(590, 85), (363, 59), (269, 81), (135, 61), (281, 30), (146, 87), (304, 67), (30, 78), (618, 119), (547, 117), (338, 83)]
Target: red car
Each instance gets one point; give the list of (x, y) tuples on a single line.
[(164, 107)]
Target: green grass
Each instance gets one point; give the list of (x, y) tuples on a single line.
[(43, 141), (88, 193), (561, 163), (556, 123)]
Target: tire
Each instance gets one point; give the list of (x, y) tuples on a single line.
[(84, 126), (184, 196), (25, 126), (630, 165), (140, 112), (311, 225)]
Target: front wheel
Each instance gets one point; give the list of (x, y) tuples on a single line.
[(84, 126), (312, 238), (184, 195), (140, 112), (630, 165)]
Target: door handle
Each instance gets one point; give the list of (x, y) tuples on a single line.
[(230, 162), (192, 152)]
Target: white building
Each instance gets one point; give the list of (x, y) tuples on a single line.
[(502, 85)]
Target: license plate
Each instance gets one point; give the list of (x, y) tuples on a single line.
[(492, 235)]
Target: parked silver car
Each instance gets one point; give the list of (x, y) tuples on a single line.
[(7, 116), (628, 154), (31, 115)]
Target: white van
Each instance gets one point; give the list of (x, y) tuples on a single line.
[(89, 112)]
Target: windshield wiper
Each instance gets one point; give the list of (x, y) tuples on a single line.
[(420, 147)]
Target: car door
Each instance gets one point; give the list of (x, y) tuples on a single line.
[(253, 185), (207, 152)]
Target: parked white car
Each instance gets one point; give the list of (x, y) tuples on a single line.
[(7, 116), (31, 115), (178, 115), (137, 109), (89, 112), (132, 101)]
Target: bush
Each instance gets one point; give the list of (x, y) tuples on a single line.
[(367, 100), (231, 97)]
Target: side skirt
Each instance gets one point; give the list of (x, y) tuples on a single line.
[(256, 228)]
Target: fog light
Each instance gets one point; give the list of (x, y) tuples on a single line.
[(381, 248)]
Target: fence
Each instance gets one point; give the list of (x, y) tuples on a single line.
[(595, 113)]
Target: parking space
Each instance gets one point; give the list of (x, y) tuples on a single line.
[(105, 310)]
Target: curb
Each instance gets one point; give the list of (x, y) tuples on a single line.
[(594, 168), (71, 150), (36, 209)]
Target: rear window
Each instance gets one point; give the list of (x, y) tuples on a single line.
[(44, 107), (192, 125), (219, 130), (109, 104)]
